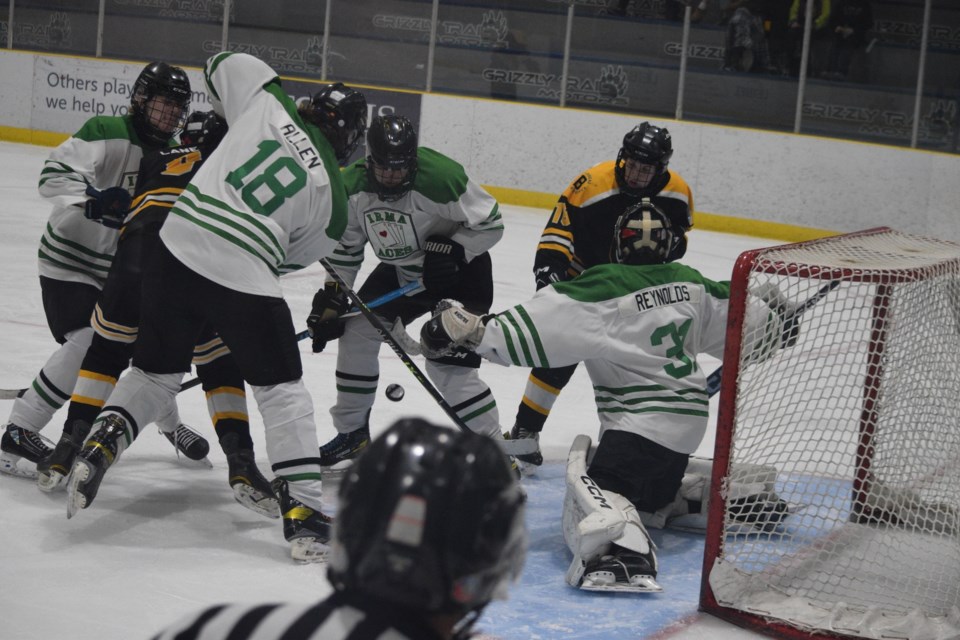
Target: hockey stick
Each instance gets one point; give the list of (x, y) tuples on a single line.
[(510, 447), (790, 326), (11, 394), (415, 287)]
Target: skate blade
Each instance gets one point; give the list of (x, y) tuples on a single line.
[(78, 475), (50, 481), (637, 584), (16, 466), (256, 501), (336, 472), (519, 447), (190, 463), (308, 550)]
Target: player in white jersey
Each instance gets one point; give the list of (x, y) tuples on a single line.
[(425, 219), (268, 201), (640, 323), (430, 529), (89, 179)]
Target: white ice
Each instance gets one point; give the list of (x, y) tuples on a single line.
[(164, 539)]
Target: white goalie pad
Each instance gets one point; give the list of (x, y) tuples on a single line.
[(594, 519), (688, 511)]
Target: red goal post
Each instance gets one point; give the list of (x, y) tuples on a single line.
[(860, 419)]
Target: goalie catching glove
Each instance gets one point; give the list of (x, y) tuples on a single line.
[(108, 207), (324, 323), (451, 327)]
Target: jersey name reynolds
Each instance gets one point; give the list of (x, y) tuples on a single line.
[(659, 296)]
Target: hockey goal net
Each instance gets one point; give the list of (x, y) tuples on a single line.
[(860, 418)]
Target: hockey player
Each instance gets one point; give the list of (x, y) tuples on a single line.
[(163, 176), (89, 179), (269, 201), (577, 237), (641, 321), (425, 220), (430, 529)]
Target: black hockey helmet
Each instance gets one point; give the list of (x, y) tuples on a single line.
[(645, 143), (204, 129), (155, 123), (392, 145), (341, 114), (643, 235), (429, 518)]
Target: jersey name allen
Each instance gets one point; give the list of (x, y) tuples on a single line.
[(660, 296), (302, 144)]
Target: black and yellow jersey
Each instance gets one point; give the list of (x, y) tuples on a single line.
[(162, 177), (580, 230)]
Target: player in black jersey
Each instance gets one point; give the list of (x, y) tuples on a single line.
[(163, 175), (429, 530), (577, 236)]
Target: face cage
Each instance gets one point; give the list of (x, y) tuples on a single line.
[(392, 192), (160, 109)]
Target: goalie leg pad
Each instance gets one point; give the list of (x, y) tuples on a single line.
[(601, 526)]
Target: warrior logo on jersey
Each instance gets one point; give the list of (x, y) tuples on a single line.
[(390, 233)]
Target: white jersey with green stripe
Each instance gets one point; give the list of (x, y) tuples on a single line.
[(443, 201), (639, 330), (270, 199), (104, 153)]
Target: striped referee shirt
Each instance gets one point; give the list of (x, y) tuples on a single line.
[(339, 617)]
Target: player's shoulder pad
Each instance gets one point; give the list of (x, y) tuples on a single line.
[(595, 181)]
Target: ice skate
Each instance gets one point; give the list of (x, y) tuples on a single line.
[(624, 570), (20, 451), (306, 529), (190, 444), (250, 488), (98, 454), (521, 433), (53, 469), (337, 455)]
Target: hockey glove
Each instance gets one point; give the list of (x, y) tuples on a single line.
[(324, 323), (442, 260), (108, 207), (451, 327), (548, 272)]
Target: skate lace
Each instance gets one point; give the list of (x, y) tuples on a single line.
[(32, 438), (183, 438)]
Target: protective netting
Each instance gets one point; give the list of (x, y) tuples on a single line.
[(861, 419)]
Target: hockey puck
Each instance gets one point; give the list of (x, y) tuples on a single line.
[(395, 392)]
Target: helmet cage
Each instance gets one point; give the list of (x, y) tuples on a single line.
[(644, 235), (392, 146), (647, 144), (156, 121)]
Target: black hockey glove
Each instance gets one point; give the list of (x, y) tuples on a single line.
[(442, 260), (108, 207), (548, 272), (451, 327), (324, 323)]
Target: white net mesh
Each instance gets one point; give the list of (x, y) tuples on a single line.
[(861, 419)]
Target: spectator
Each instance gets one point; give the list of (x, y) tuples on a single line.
[(851, 21), (795, 27), (746, 43)]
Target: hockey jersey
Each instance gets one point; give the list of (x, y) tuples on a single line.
[(443, 201), (579, 232), (639, 330), (162, 178), (104, 153), (270, 200), (339, 617)]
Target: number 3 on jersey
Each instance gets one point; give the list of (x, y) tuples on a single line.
[(265, 191), (677, 336)]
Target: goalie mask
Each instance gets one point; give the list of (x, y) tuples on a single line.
[(644, 235), (341, 114), (643, 159), (204, 129), (429, 518), (160, 102), (391, 156)]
